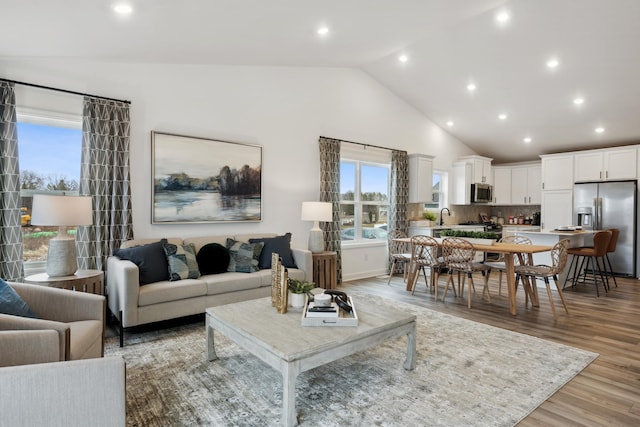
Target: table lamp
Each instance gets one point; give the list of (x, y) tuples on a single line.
[(61, 211), (316, 211)]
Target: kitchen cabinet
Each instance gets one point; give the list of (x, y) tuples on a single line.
[(526, 183), (604, 165), (466, 171), (557, 172), (557, 209), (420, 178), (502, 185)]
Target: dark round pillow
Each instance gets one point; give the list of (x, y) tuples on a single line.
[(213, 258)]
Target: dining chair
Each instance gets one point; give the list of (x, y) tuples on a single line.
[(458, 255), (499, 264), (558, 263), (587, 259), (398, 253), (424, 253)]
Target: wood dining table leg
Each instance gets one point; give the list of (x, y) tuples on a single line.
[(511, 282)]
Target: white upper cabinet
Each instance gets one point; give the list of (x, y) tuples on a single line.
[(420, 178), (482, 170), (557, 209), (526, 183), (466, 171), (502, 185), (557, 172), (605, 165)]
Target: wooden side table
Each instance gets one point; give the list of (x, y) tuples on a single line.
[(325, 269), (91, 281)]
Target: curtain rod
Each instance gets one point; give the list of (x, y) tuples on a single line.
[(64, 90), (361, 143)]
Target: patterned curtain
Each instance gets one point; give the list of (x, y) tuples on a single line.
[(399, 191), (104, 174), (11, 267), (330, 192)]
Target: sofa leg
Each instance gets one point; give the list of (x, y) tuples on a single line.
[(121, 329)]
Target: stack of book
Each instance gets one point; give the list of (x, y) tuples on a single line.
[(323, 311)]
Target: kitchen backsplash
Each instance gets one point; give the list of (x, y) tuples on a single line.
[(465, 213)]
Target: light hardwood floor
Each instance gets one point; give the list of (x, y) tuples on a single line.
[(607, 392)]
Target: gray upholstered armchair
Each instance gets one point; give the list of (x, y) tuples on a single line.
[(70, 327)]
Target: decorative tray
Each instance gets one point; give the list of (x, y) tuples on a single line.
[(342, 319)]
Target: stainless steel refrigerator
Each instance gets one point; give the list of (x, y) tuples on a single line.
[(603, 205)]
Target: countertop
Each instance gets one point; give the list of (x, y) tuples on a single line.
[(559, 233), (422, 224)]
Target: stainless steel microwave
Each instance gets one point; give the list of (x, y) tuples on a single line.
[(481, 193)]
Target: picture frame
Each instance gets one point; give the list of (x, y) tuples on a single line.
[(203, 180)]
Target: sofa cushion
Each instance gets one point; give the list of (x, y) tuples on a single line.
[(181, 260), (233, 282), (199, 242), (150, 259), (213, 258), (280, 245), (85, 335), (244, 257), (11, 303), (167, 291)]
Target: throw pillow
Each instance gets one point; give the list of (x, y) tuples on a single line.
[(182, 261), (150, 259), (280, 245), (11, 303), (213, 258), (244, 257)]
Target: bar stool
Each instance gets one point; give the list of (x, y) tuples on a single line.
[(612, 248), (585, 256)]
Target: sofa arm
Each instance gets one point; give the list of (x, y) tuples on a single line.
[(87, 392), (61, 305), (16, 323), (28, 347), (123, 288), (304, 261)]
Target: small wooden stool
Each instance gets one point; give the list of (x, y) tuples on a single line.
[(325, 274)]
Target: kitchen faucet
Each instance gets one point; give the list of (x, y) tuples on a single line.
[(441, 219)]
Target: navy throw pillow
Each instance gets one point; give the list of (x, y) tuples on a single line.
[(279, 244), (213, 258), (150, 259), (11, 303)]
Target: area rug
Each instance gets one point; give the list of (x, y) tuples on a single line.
[(467, 374)]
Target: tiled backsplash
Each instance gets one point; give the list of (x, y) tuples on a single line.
[(466, 213)]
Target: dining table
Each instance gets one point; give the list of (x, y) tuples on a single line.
[(510, 250)]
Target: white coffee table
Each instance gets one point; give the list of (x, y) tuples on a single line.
[(280, 341)]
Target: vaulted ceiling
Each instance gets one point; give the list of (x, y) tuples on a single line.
[(447, 45)]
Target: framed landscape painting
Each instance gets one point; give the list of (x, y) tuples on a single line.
[(199, 180)]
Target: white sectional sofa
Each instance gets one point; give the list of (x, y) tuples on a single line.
[(135, 304)]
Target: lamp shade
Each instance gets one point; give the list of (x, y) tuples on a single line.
[(317, 211), (66, 211)]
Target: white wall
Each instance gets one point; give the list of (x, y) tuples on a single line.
[(283, 109)]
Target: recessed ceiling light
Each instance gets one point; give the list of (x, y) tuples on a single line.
[(599, 129), (471, 87), (323, 31), (553, 63), (403, 58), (578, 101), (502, 116), (527, 139), (503, 17), (450, 123), (123, 8)]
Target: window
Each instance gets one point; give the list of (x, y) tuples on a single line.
[(364, 200), (49, 157), (439, 193)]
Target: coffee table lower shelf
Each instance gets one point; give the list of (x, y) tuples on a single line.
[(280, 341)]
